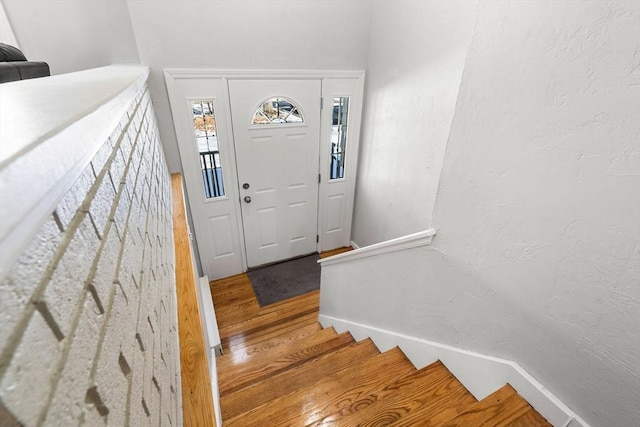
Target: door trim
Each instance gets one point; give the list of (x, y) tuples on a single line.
[(334, 83)]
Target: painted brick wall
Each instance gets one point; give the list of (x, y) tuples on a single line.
[(88, 325)]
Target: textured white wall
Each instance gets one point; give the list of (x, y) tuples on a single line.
[(539, 200), (537, 257), (416, 58), (73, 35), (277, 34)]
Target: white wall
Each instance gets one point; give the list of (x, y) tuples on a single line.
[(537, 257), (539, 203), (73, 35), (6, 31), (416, 58), (279, 34)]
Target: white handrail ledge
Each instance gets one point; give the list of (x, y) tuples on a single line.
[(421, 238)]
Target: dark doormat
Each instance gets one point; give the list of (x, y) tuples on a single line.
[(288, 279)]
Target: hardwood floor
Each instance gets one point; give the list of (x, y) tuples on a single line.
[(197, 406), (281, 368)]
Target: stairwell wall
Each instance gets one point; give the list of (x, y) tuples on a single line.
[(538, 205), (88, 324), (73, 35), (537, 256), (417, 52)]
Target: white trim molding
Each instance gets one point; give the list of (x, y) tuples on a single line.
[(196, 73), (479, 373), (421, 238), (211, 339)]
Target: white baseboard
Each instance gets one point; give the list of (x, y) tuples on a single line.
[(354, 246), (212, 341), (480, 374)]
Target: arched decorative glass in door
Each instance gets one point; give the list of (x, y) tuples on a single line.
[(277, 111)]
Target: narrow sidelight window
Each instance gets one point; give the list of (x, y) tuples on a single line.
[(339, 137), (204, 125)]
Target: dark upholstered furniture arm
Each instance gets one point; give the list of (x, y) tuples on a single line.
[(14, 65)]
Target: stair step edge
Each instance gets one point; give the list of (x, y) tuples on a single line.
[(272, 388), (338, 341), (275, 353)]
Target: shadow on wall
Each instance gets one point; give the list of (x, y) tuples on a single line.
[(416, 58)]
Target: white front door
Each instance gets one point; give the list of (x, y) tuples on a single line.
[(279, 162), (276, 127)]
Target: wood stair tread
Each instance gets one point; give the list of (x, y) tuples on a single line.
[(228, 293), (427, 397), (425, 378), (504, 407), (231, 282), (267, 333), (296, 378), (529, 419), (253, 321), (228, 368), (329, 394), (238, 317), (229, 299), (309, 298), (258, 350), (234, 380)]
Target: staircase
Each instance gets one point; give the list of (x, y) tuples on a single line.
[(281, 367)]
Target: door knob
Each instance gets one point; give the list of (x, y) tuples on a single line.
[(245, 185), (247, 199)]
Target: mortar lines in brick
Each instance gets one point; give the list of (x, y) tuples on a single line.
[(36, 298), (115, 184), (144, 354), (68, 400), (83, 295), (109, 305), (145, 289), (111, 298)]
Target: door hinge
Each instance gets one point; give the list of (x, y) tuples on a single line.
[(319, 178), (321, 103), (317, 238)]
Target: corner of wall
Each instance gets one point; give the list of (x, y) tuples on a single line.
[(6, 30)]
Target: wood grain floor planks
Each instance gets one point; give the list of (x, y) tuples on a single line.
[(197, 405), (307, 404), (297, 378), (504, 407)]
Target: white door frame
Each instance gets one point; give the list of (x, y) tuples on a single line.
[(334, 231)]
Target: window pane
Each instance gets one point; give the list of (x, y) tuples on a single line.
[(339, 137), (204, 125), (277, 110)]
